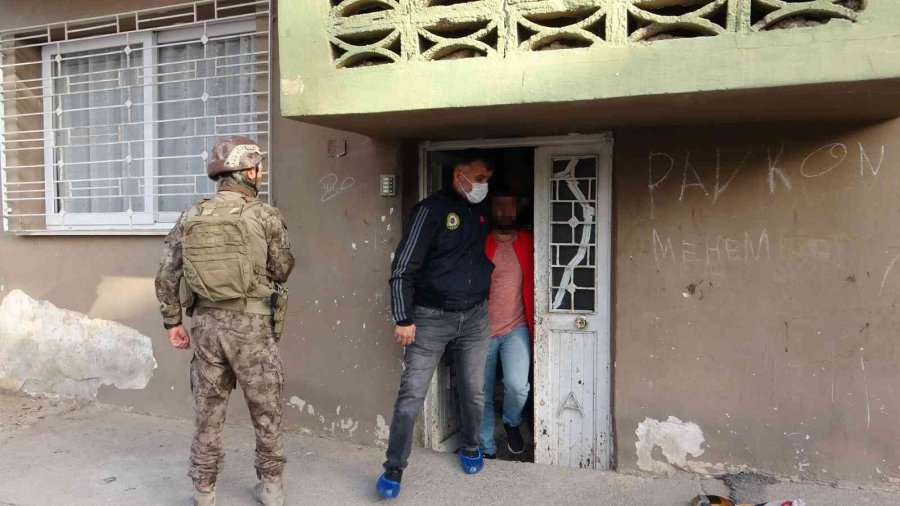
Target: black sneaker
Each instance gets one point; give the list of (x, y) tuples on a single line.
[(514, 440), (489, 456)]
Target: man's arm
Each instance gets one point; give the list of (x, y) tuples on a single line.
[(408, 259), (169, 276), (280, 261)]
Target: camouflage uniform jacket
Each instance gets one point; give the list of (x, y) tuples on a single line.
[(279, 260)]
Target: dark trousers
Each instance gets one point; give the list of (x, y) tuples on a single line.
[(465, 334)]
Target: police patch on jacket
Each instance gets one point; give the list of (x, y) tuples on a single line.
[(452, 221), (440, 262)]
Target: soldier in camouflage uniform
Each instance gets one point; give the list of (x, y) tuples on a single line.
[(234, 341)]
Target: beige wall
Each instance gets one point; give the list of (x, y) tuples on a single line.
[(787, 330), (27, 13), (337, 352), (762, 305)]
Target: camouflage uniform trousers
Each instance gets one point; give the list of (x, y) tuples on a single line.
[(231, 346)]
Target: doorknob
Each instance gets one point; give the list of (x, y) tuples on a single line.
[(581, 323)]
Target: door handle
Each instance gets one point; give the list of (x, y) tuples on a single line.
[(581, 323)]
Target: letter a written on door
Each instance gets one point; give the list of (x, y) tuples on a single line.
[(572, 283)]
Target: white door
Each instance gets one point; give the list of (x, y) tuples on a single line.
[(572, 305)]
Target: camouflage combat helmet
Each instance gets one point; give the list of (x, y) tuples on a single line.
[(233, 154)]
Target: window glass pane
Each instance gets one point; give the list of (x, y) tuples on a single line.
[(557, 273), (573, 234), (565, 192), (584, 277), (561, 234), (584, 300), (205, 92), (561, 211), (567, 254), (564, 298), (98, 153), (586, 167)]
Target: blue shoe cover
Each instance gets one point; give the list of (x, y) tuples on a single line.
[(471, 465), (386, 488)]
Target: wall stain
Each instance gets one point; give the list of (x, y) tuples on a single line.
[(48, 350)]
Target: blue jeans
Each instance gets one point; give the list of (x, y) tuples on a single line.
[(514, 351), (466, 335)]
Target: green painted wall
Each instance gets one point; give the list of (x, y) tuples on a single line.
[(740, 57)]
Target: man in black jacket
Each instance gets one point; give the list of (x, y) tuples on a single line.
[(440, 279)]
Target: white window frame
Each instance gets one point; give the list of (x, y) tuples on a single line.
[(188, 34), (126, 221)]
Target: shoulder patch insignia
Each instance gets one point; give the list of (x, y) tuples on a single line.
[(452, 221)]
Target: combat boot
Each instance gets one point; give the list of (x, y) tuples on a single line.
[(270, 492), (204, 498)]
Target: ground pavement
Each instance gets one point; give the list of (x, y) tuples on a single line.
[(68, 453)]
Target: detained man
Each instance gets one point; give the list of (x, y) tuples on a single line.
[(511, 310)]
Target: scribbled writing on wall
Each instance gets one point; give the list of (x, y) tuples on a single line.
[(742, 248), (333, 186), (710, 175), (711, 250)]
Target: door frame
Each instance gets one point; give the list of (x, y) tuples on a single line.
[(604, 143)]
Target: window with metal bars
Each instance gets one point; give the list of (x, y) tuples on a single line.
[(112, 133)]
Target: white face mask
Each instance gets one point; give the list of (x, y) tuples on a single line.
[(478, 193)]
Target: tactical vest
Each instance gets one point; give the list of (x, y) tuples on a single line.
[(224, 252)]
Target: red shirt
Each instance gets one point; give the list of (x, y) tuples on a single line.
[(523, 245), (506, 307)]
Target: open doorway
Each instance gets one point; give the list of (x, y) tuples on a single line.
[(514, 174), (564, 190)]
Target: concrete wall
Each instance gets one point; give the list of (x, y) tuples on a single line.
[(618, 53), (756, 293), (28, 13), (341, 366), (754, 303)]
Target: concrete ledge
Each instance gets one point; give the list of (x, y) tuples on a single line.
[(838, 52), (859, 101)]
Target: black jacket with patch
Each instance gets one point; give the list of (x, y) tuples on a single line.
[(440, 263)]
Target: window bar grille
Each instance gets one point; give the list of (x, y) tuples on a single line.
[(57, 81)]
